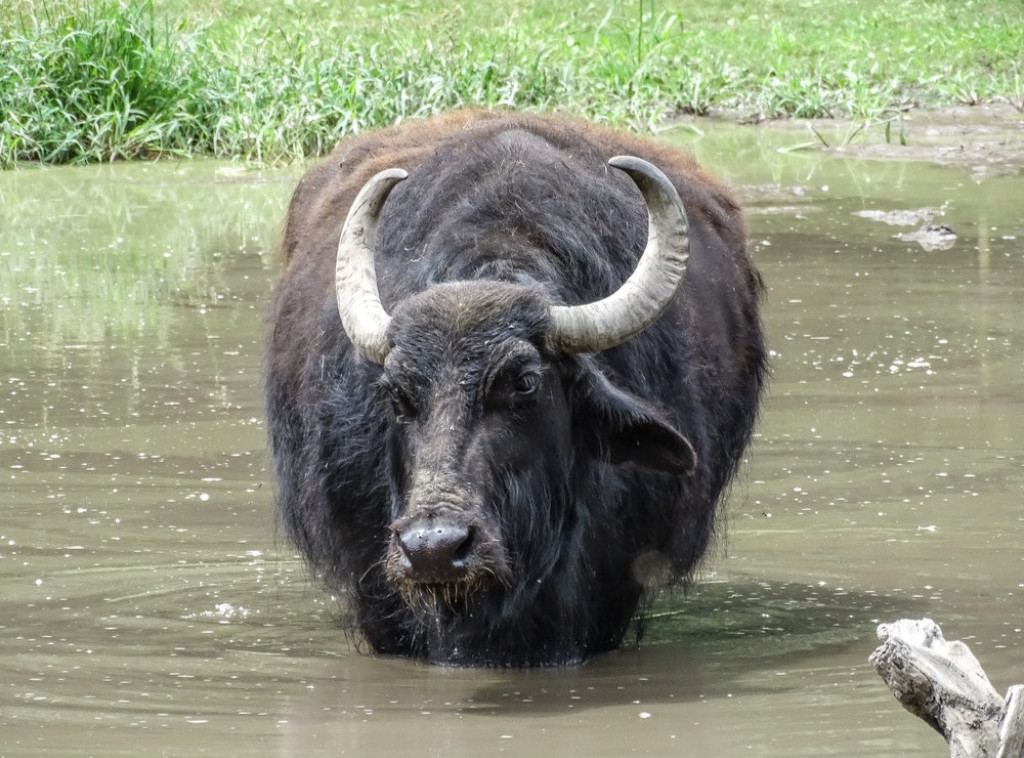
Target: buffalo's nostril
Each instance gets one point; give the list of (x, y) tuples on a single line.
[(435, 552)]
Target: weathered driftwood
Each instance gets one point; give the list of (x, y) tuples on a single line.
[(943, 683)]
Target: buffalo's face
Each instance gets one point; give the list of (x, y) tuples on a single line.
[(479, 414), (488, 427)]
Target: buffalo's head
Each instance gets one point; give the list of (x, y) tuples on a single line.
[(495, 400)]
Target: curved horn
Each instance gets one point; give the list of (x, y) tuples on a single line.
[(355, 278), (642, 298)]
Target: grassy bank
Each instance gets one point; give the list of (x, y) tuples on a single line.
[(92, 80)]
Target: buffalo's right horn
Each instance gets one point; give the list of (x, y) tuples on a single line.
[(355, 278), (642, 298)]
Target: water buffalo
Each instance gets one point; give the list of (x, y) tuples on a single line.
[(514, 363)]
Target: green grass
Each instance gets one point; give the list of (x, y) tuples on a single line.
[(94, 80)]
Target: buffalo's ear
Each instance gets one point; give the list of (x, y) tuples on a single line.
[(624, 428)]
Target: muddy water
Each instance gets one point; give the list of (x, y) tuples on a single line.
[(147, 605)]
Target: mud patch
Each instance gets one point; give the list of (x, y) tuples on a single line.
[(931, 238), (928, 235), (902, 217), (986, 139)]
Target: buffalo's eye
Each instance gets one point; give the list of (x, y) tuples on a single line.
[(513, 384), (401, 402), (515, 390), (526, 383)]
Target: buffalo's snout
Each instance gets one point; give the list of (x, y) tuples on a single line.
[(434, 549)]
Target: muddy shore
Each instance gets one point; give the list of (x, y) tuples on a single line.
[(988, 139)]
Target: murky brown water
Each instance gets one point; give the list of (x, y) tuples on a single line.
[(147, 606)]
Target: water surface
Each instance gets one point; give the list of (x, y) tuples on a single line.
[(149, 606)]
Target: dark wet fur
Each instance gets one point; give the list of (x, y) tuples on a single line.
[(528, 212)]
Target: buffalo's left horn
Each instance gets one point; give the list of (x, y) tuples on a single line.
[(355, 278), (642, 298)]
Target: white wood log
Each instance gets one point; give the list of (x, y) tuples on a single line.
[(943, 683), (1011, 729)]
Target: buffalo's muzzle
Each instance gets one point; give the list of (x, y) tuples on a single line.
[(434, 550)]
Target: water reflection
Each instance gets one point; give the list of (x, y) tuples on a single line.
[(147, 600), (744, 666)]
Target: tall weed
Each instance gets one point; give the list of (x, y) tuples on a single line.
[(98, 80), (103, 82)]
